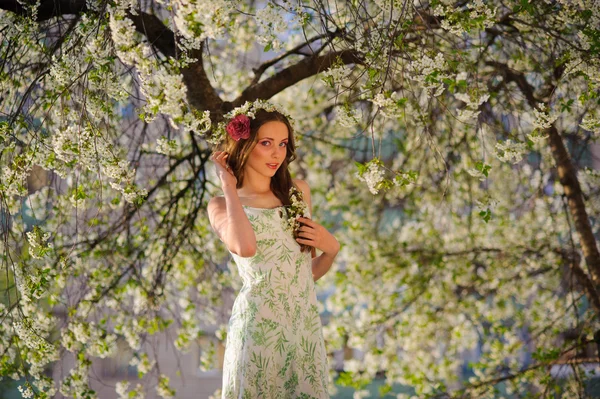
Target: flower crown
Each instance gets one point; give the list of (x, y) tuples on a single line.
[(238, 125)]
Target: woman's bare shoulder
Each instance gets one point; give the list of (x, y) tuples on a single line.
[(216, 201), (215, 204), (302, 185)]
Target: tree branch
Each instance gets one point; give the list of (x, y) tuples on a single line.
[(511, 75), (47, 9), (295, 73), (296, 50)]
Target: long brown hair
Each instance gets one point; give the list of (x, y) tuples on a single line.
[(239, 151)]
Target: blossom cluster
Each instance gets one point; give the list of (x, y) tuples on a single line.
[(163, 388), (143, 363), (347, 116), (271, 23), (335, 74), (297, 208), (189, 329), (122, 387), (592, 124), (390, 105), (430, 73), (470, 113), (96, 340), (458, 21), (372, 173), (166, 146), (198, 21), (510, 151), (38, 242), (542, 121)]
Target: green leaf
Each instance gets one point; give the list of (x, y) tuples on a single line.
[(385, 389), (486, 215), (361, 168), (586, 14), (483, 168)]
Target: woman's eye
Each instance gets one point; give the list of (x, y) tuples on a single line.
[(284, 144), (266, 142)]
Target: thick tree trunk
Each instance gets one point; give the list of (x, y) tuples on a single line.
[(590, 280), (568, 178)]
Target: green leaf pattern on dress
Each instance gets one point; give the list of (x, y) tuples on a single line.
[(275, 347)]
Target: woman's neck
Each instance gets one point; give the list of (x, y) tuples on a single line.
[(255, 186)]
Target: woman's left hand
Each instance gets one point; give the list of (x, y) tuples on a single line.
[(313, 234)]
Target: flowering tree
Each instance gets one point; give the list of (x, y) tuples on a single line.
[(468, 227)]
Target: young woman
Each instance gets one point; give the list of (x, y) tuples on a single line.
[(275, 346)]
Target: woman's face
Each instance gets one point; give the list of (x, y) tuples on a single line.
[(270, 150)]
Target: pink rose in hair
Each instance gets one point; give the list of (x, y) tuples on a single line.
[(239, 127)]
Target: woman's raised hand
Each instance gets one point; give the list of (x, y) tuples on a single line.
[(313, 234), (223, 170)]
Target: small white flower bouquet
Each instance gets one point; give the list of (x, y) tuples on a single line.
[(298, 208)]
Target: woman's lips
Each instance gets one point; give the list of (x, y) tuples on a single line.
[(273, 165)]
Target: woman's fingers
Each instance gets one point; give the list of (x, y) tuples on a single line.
[(220, 157), (307, 234), (307, 221), (219, 154), (313, 234), (310, 229)]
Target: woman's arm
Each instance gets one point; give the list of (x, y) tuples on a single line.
[(228, 219), (227, 216), (316, 235)]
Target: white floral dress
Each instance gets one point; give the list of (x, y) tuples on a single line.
[(275, 347)]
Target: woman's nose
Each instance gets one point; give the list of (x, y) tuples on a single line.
[(277, 152)]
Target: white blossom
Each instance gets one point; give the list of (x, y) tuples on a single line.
[(26, 392), (363, 393), (477, 173), (592, 124), (335, 75), (348, 117), (271, 23), (543, 120), (163, 389), (372, 176), (143, 363), (121, 388), (510, 151), (165, 146), (424, 68), (390, 105)]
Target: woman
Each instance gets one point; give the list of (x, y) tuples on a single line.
[(275, 346)]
